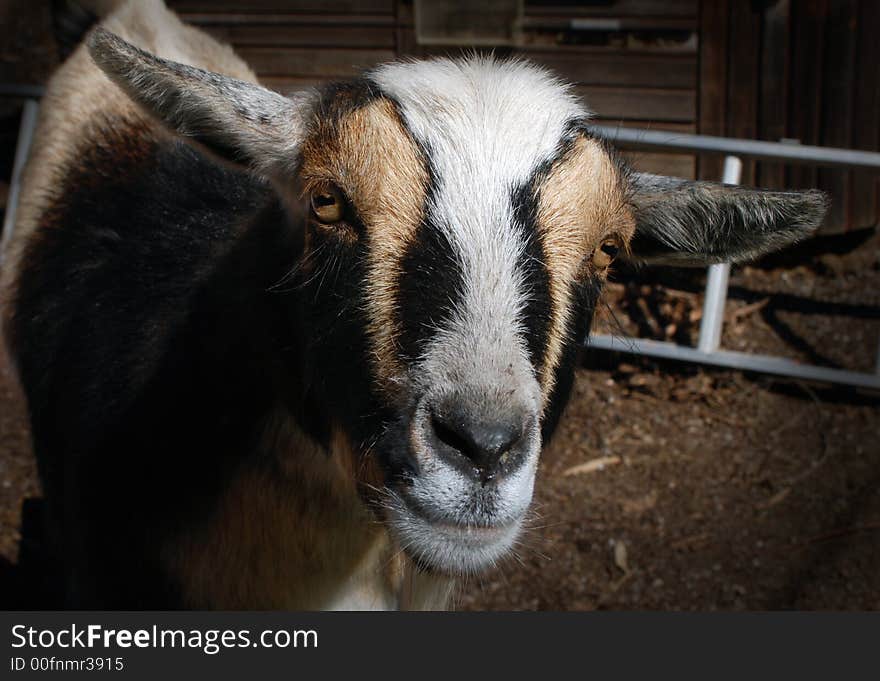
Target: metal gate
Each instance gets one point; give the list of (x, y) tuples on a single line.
[(708, 350)]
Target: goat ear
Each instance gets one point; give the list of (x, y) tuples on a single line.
[(239, 121), (683, 222)]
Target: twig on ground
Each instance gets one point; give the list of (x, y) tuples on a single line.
[(746, 310), (843, 532), (592, 465), (687, 542)]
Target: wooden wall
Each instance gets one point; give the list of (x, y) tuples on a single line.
[(646, 76), (806, 70), (767, 69)]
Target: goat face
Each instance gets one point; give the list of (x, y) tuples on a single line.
[(469, 223), (459, 223)]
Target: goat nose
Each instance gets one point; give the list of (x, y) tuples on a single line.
[(486, 446)]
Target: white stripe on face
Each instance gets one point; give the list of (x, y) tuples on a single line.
[(486, 127)]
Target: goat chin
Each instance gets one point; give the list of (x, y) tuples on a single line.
[(450, 548)]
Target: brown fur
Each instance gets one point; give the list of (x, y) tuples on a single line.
[(581, 202), (287, 533), (294, 533), (372, 158)]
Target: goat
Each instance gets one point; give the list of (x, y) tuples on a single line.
[(304, 352)]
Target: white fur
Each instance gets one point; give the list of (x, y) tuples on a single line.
[(456, 524)]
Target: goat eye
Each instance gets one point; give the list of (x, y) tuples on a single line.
[(605, 254), (328, 205)]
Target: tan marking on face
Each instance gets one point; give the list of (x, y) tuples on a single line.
[(371, 157), (581, 202)]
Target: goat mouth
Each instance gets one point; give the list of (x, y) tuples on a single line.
[(451, 547)]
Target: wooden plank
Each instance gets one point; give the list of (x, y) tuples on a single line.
[(866, 116), (289, 84), (614, 22), (284, 6), (28, 49), (645, 42), (640, 8), (303, 35), (713, 79), (652, 104), (260, 19), (837, 104), (404, 33), (741, 114), (807, 36), (408, 46), (667, 71), (648, 125), (773, 104), (677, 66), (312, 62), (676, 165)]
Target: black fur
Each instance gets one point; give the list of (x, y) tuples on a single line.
[(174, 313), (584, 300), (340, 98), (431, 281), (429, 287), (339, 383), (338, 377), (539, 305), (150, 350), (70, 22)]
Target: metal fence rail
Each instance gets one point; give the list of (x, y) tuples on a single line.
[(22, 147), (31, 95), (676, 143), (708, 350)]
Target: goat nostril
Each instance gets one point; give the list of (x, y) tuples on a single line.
[(487, 445), (450, 436)]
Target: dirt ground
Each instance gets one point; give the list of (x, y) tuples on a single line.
[(676, 488)]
